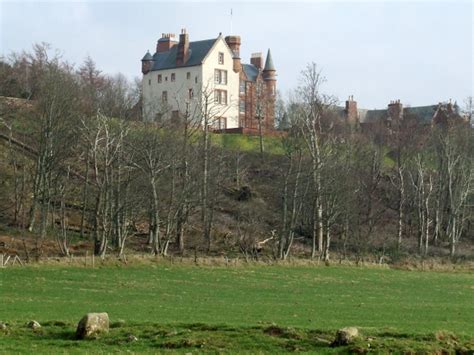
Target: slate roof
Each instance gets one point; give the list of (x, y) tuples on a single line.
[(423, 113), (269, 62), (197, 52), (147, 56), (368, 116), (251, 71)]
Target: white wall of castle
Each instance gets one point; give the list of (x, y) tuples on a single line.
[(203, 84), (177, 91), (211, 62)]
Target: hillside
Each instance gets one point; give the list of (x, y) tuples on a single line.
[(250, 197)]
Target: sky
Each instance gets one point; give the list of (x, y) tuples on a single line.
[(419, 52)]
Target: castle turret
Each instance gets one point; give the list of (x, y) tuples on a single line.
[(234, 44), (147, 62), (269, 77)]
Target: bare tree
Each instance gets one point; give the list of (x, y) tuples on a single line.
[(312, 105)]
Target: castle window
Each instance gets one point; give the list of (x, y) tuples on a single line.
[(220, 76), (159, 78), (164, 96), (188, 75), (173, 77), (242, 106), (196, 79), (190, 93), (221, 58), (219, 123), (242, 87), (220, 97), (149, 81), (166, 78)]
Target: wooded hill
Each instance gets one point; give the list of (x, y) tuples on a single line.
[(77, 165)]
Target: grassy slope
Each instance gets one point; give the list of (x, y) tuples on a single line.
[(380, 301)]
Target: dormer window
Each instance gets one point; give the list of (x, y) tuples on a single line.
[(221, 58)]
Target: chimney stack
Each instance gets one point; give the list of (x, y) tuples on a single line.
[(183, 48), (166, 42), (257, 60), (351, 110), (234, 44), (395, 110)]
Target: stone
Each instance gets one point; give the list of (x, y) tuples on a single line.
[(345, 336), (33, 325), (91, 325), (3, 326), (132, 338)]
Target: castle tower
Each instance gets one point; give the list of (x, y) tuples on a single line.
[(269, 78), (147, 62)]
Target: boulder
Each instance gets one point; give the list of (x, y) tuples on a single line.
[(3, 326), (91, 325), (33, 325), (345, 336)]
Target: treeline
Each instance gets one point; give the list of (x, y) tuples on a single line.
[(79, 162)]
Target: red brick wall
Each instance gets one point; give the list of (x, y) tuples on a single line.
[(351, 111)]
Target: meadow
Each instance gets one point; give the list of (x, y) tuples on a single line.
[(173, 307)]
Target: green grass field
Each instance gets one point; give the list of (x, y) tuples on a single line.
[(254, 308)]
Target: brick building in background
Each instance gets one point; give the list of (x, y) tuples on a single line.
[(183, 75), (441, 114)]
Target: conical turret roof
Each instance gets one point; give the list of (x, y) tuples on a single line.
[(269, 62), (147, 56)]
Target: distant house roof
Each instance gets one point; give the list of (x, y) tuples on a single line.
[(251, 71), (423, 114), (197, 52), (369, 116)]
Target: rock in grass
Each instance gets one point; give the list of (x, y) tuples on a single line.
[(132, 338), (3, 326), (345, 336), (33, 325), (91, 325)]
